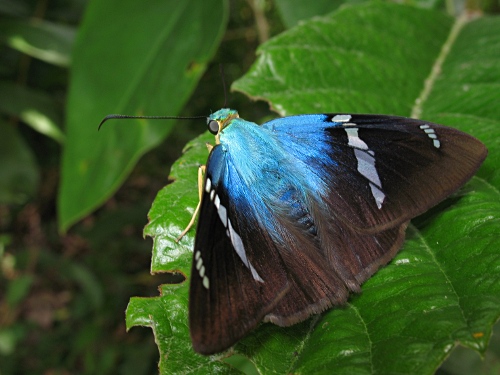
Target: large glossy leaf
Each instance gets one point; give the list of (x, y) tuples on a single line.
[(35, 108), (43, 40), (443, 288), (327, 65), (129, 58)]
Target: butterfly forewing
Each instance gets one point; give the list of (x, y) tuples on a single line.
[(237, 275), (407, 167), (382, 170)]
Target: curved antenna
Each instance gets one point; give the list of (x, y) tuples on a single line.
[(111, 117)]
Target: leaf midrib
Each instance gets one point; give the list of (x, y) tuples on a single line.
[(436, 69)]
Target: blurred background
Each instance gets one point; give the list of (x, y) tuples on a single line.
[(66, 279), (63, 294)]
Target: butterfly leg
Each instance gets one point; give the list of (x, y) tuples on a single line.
[(201, 173)]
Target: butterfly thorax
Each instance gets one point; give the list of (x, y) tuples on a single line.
[(263, 165), (223, 117)]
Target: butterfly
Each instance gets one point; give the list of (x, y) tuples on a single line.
[(297, 213)]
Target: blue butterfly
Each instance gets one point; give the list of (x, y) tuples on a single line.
[(297, 213)]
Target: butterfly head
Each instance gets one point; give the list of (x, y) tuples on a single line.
[(217, 121)]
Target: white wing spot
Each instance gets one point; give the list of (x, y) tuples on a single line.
[(222, 214), (255, 274), (221, 210), (354, 140), (201, 268), (431, 133), (378, 195), (208, 185), (235, 240), (240, 250), (366, 164), (341, 118), (206, 283)]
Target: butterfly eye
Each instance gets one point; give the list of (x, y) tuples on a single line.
[(213, 127)]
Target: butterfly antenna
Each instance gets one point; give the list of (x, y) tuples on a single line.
[(111, 117), (221, 69)]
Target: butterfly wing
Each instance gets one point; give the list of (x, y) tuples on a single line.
[(381, 170), (246, 258), (237, 276), (328, 203), (350, 256)]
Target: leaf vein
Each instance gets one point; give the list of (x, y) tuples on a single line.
[(436, 68), (438, 264)]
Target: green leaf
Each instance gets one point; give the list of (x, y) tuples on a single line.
[(43, 40), (326, 65), (293, 11), (35, 108), (131, 59), (466, 362), (443, 287), (18, 170), (17, 289), (465, 92), (10, 337), (166, 224), (167, 316)]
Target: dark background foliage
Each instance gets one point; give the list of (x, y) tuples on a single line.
[(72, 251)]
